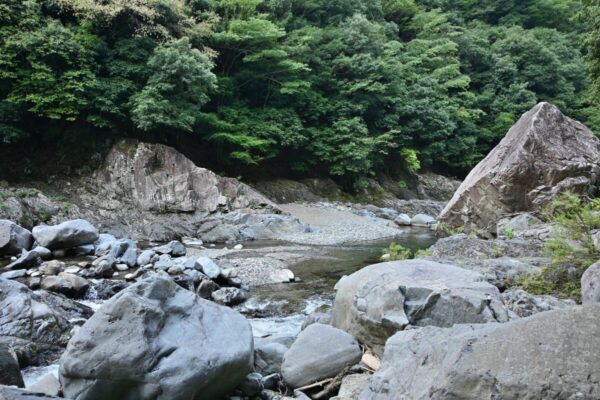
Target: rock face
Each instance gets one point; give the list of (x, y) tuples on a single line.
[(66, 235), (319, 352), (155, 340), (552, 355), (159, 178), (36, 324), (590, 284), (13, 238), (380, 300), (544, 153)]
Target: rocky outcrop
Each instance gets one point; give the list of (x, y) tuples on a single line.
[(155, 340), (36, 324), (552, 355), (545, 153), (380, 300), (158, 178), (319, 352)]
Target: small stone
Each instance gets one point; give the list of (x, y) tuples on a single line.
[(115, 275), (403, 220), (145, 257), (238, 247), (209, 268), (229, 296), (129, 277), (72, 270), (18, 273), (206, 288), (122, 267)]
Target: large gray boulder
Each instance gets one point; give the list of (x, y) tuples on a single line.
[(319, 352), (66, 235), (552, 355), (524, 304), (380, 300), (13, 238), (36, 324), (545, 153), (590, 284), (156, 340)]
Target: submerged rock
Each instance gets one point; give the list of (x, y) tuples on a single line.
[(380, 300), (155, 340), (552, 355), (543, 154)]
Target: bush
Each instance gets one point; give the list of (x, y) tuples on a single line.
[(397, 252), (570, 248)]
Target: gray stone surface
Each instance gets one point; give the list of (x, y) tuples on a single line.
[(155, 340), (36, 323), (380, 300), (545, 153), (68, 284), (590, 284), (48, 385), (208, 267), (525, 304), (319, 352), (13, 238), (551, 355), (229, 296), (422, 220), (28, 259), (66, 235)]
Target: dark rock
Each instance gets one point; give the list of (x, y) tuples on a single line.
[(10, 374)]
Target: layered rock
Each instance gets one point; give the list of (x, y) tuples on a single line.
[(380, 300), (155, 340), (545, 153), (552, 355)]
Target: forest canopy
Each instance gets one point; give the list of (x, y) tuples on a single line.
[(345, 88)]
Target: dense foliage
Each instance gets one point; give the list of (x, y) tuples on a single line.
[(339, 87)]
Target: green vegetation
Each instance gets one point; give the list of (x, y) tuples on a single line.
[(344, 88), (397, 252), (571, 247)]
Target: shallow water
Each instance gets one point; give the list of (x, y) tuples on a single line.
[(280, 309)]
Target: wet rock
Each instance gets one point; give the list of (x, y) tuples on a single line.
[(380, 300), (10, 374), (68, 284), (551, 355), (36, 324), (524, 304), (13, 238), (590, 284), (229, 296), (319, 352), (141, 343), (543, 154), (66, 235), (282, 276)]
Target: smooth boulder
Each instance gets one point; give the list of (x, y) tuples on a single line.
[(382, 299), (66, 235), (590, 284), (319, 352), (544, 154), (156, 340), (13, 238), (551, 355)]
